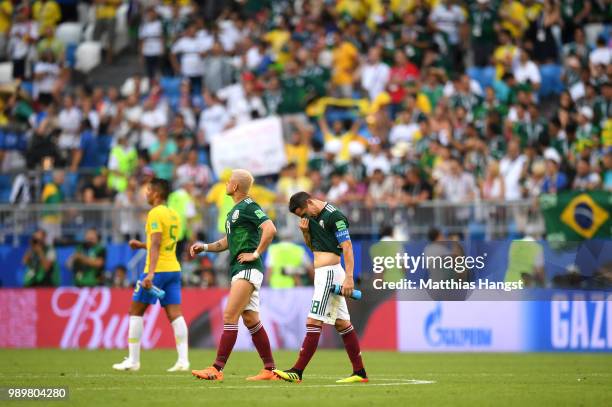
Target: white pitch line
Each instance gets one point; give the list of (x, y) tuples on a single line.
[(177, 375), (297, 386)]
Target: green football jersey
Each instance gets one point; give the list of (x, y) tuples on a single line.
[(328, 230), (243, 233)]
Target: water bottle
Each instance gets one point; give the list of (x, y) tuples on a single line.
[(158, 292), (337, 289)]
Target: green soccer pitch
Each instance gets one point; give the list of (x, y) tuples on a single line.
[(396, 379)]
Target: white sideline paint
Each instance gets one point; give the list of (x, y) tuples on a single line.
[(403, 382), (140, 375)]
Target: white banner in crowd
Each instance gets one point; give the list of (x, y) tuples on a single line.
[(256, 146)]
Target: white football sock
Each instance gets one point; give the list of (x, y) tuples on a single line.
[(180, 336), (134, 334)]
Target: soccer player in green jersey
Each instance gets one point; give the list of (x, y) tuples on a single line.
[(248, 233), (326, 232)]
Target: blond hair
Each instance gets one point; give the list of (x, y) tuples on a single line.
[(243, 179)]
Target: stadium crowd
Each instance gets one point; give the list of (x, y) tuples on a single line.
[(388, 102)]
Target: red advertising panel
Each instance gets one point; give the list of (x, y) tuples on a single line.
[(97, 318), (92, 317)]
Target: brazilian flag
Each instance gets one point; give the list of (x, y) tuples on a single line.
[(577, 215)]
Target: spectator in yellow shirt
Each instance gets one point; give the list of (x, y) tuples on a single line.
[(6, 15), (514, 17), (345, 61), (290, 183), (106, 13), (298, 149), (49, 42), (505, 54), (224, 203), (336, 132), (356, 9), (278, 38), (47, 13)]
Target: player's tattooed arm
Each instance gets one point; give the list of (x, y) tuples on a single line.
[(199, 247), (218, 246)]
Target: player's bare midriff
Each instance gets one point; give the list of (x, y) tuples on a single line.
[(323, 259)]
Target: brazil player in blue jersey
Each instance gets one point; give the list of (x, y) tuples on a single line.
[(326, 232), (162, 270)]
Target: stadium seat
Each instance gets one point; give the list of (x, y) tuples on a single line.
[(551, 80), (28, 87), (69, 33), (6, 72), (88, 56), (71, 55), (484, 76), (6, 183), (122, 39), (171, 85), (121, 29), (592, 31)]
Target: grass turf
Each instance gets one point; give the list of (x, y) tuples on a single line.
[(396, 379)]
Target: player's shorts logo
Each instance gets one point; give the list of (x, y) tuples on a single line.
[(235, 215)]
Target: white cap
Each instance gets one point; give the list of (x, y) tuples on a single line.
[(586, 112), (400, 149), (356, 149), (333, 146), (552, 154)]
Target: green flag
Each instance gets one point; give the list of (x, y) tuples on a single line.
[(577, 215)]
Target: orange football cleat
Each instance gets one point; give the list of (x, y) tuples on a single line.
[(210, 373), (263, 375)]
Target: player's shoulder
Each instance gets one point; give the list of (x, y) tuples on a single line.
[(250, 203), (163, 211), (333, 211), (172, 214)]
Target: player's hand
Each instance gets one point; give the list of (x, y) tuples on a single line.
[(196, 248), (147, 282), (303, 224), (246, 257), (347, 286), (135, 244)]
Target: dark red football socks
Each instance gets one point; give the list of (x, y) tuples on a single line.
[(228, 340), (309, 346), (351, 344), (262, 344)]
